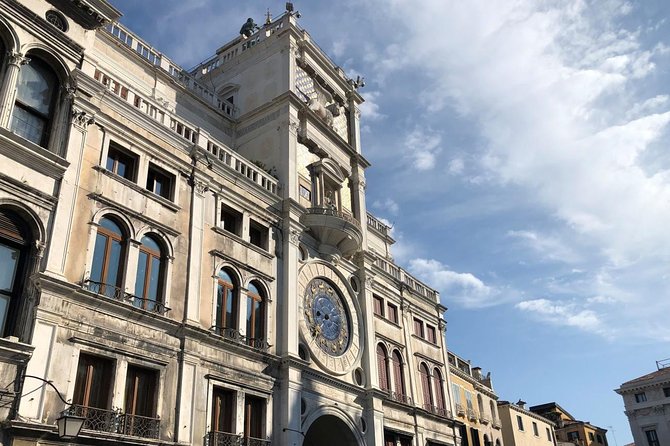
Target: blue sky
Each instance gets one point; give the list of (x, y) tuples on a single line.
[(519, 149)]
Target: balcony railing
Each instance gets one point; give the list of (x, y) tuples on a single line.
[(222, 439), (472, 415), (115, 422), (116, 293), (250, 441), (232, 334), (333, 212), (400, 397), (439, 411)]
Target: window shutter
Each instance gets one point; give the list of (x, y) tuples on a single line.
[(382, 369), (12, 227), (399, 382)]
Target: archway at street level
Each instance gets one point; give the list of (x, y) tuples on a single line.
[(329, 430)]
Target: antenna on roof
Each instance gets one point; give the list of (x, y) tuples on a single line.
[(268, 17)]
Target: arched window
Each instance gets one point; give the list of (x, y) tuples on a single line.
[(382, 368), (487, 441), (439, 391), (36, 91), (150, 275), (493, 411), (425, 387), (398, 378), (480, 405), (255, 316), (15, 242), (226, 305), (108, 260)]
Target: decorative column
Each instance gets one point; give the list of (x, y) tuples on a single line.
[(8, 87)]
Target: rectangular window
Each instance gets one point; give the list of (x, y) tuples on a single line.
[(599, 438), (378, 305), (519, 422), (121, 162), (536, 432), (573, 436), (140, 396), (305, 193), (666, 392), (640, 397), (231, 220), (548, 434), (591, 436), (392, 313), (418, 327), (254, 417), (93, 383), (430, 334), (258, 235), (468, 400), (160, 182), (652, 438), (222, 410)]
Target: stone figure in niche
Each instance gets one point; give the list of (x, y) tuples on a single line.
[(323, 105), (248, 28)]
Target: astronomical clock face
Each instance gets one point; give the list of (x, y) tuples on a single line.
[(328, 319), (326, 316)]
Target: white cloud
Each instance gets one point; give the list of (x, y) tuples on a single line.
[(549, 248), (422, 146), (462, 288), (562, 313), (387, 205), (370, 108), (456, 166)]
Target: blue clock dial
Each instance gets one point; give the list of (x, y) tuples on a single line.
[(327, 317)]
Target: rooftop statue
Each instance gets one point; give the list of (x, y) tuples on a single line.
[(248, 28)]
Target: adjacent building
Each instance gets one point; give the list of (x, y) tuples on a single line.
[(475, 404), (187, 256), (521, 427), (647, 403), (569, 430)]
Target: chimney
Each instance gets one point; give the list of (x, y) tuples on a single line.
[(477, 373), (521, 403)]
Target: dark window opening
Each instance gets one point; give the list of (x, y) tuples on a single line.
[(160, 182), (15, 246), (121, 162), (93, 383), (258, 235), (231, 220), (222, 410), (254, 417)]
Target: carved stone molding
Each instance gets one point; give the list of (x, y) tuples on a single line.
[(294, 237), (81, 118), (17, 59)]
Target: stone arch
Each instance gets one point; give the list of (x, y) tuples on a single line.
[(164, 239), (331, 426), (116, 215), (9, 36), (53, 60), (35, 225)]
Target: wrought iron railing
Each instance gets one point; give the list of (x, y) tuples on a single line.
[(400, 397), (222, 439), (116, 293), (250, 441), (116, 422), (138, 426), (237, 337), (437, 410)]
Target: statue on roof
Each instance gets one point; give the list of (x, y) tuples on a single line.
[(248, 28)]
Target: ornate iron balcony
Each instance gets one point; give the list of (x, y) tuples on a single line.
[(222, 439), (116, 422), (237, 337), (250, 441), (400, 397), (116, 293)]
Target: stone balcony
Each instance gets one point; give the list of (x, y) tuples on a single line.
[(338, 233)]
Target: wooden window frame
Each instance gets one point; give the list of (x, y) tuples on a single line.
[(398, 373), (255, 319), (431, 334), (110, 237), (93, 364), (392, 312), (223, 409), (225, 286), (116, 153), (251, 404), (426, 390), (378, 305), (151, 254), (383, 368), (440, 401), (156, 173), (419, 328)]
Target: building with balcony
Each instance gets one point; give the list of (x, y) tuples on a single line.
[(569, 430), (647, 405), (475, 404), (187, 255), (521, 427)]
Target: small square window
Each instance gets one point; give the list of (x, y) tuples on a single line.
[(430, 334), (666, 392), (258, 235), (392, 313), (378, 305), (305, 193), (121, 162), (573, 436), (640, 397), (231, 220), (418, 328), (160, 182), (599, 438)]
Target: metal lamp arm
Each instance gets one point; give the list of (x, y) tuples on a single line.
[(49, 383)]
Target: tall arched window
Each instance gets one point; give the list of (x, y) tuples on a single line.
[(494, 418), (108, 260), (15, 241), (439, 391), (36, 91), (425, 387), (255, 316), (398, 378), (480, 406), (226, 305), (150, 275), (382, 368)]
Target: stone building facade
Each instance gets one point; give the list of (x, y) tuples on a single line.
[(521, 427), (475, 404), (187, 257), (569, 430), (647, 405)]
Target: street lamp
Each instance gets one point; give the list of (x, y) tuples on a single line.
[(69, 425)]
